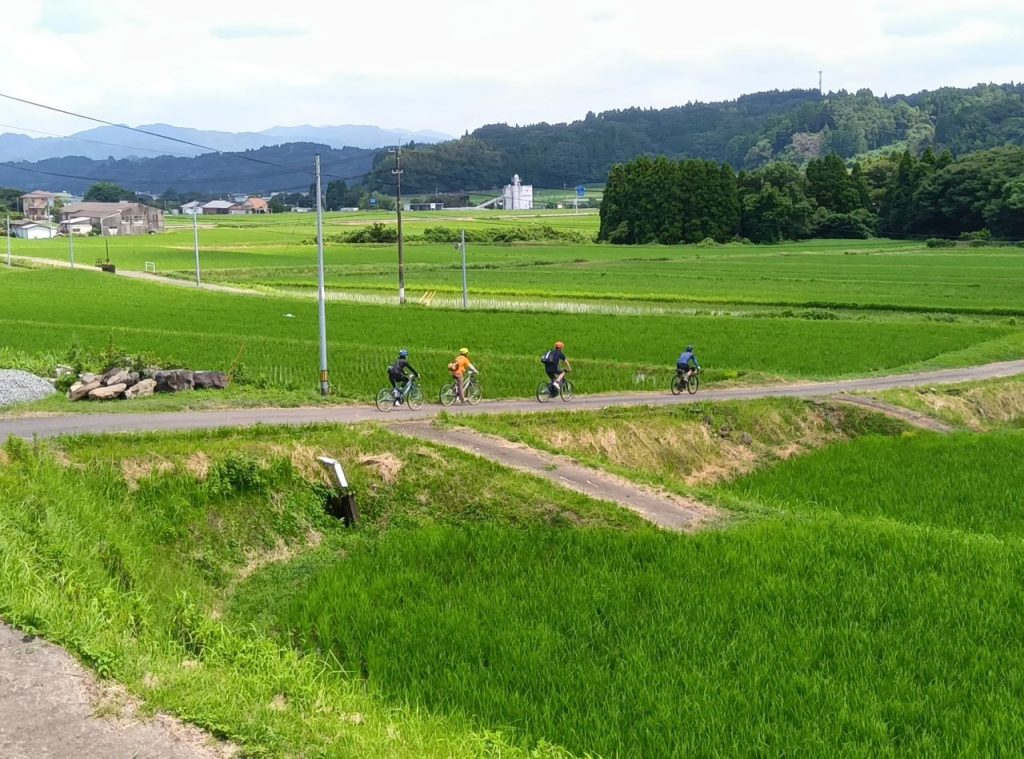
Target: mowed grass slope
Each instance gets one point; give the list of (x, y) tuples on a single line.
[(48, 311)]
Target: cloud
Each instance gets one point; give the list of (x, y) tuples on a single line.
[(254, 31)]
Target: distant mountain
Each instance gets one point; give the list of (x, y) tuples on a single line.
[(748, 132), (279, 168), (114, 142)]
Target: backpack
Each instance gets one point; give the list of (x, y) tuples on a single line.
[(452, 366), (546, 358)]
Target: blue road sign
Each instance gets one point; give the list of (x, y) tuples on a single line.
[(373, 201), (580, 191)]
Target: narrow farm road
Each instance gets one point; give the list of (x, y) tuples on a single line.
[(913, 418), (49, 704), (663, 509), (100, 423)]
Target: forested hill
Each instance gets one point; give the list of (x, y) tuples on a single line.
[(281, 167), (749, 132)]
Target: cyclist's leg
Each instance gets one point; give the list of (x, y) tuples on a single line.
[(460, 390)]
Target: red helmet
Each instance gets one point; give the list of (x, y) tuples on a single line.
[(559, 344)]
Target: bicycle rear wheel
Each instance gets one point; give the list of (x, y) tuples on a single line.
[(678, 384), (567, 391), (385, 400), (448, 394), (415, 398), (693, 384), (544, 392), (473, 393)]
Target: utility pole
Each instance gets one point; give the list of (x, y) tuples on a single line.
[(397, 171), (195, 242), (820, 92), (8, 241), (71, 242), (465, 288), (321, 292)]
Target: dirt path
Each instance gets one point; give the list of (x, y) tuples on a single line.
[(913, 418), (663, 509), (48, 706), (99, 423)]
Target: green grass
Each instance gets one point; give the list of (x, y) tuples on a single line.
[(125, 550), (798, 637), (958, 482), (479, 612), (49, 311), (842, 274)]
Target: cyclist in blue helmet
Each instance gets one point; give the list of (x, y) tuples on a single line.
[(687, 362), (399, 374)]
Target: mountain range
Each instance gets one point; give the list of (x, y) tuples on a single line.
[(106, 142)]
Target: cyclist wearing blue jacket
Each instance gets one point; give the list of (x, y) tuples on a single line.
[(687, 357)]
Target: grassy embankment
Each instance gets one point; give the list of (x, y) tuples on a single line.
[(126, 550), (862, 608)]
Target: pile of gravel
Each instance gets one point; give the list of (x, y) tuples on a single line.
[(22, 387)]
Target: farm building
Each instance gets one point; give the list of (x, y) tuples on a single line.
[(254, 204), (122, 218), (27, 229), (192, 207), (217, 207), (79, 225)]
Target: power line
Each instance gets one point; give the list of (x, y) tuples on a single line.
[(96, 142), (130, 128)]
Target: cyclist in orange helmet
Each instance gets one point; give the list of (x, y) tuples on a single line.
[(458, 369), (552, 361)]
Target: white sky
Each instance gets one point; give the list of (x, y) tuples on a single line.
[(455, 65)]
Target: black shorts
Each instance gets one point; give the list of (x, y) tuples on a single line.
[(552, 373)]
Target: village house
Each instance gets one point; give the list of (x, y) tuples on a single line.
[(123, 218), (217, 207), (38, 204), (192, 207)]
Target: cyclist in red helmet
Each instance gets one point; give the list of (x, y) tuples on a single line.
[(552, 361)]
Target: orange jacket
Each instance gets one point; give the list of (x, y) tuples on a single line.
[(462, 363)]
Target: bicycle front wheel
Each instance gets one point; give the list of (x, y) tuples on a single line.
[(474, 393), (678, 384), (693, 384), (567, 391), (385, 400), (448, 394), (415, 398)]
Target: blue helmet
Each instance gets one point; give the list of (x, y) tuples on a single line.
[(403, 353)]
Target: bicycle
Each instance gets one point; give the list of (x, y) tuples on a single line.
[(681, 382), (566, 391), (411, 395), (471, 389)]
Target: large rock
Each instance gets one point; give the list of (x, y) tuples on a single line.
[(120, 377), (81, 389), (107, 393), (111, 372), (143, 389), (210, 380), (87, 378), (174, 381)]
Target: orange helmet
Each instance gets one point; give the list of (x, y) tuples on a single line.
[(559, 345)]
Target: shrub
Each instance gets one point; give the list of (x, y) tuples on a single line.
[(940, 242)]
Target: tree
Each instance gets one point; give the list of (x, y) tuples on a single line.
[(10, 199), (276, 205), (108, 192)]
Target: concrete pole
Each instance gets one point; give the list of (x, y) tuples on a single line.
[(325, 386), (8, 241), (465, 288), (71, 243), (195, 242)]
